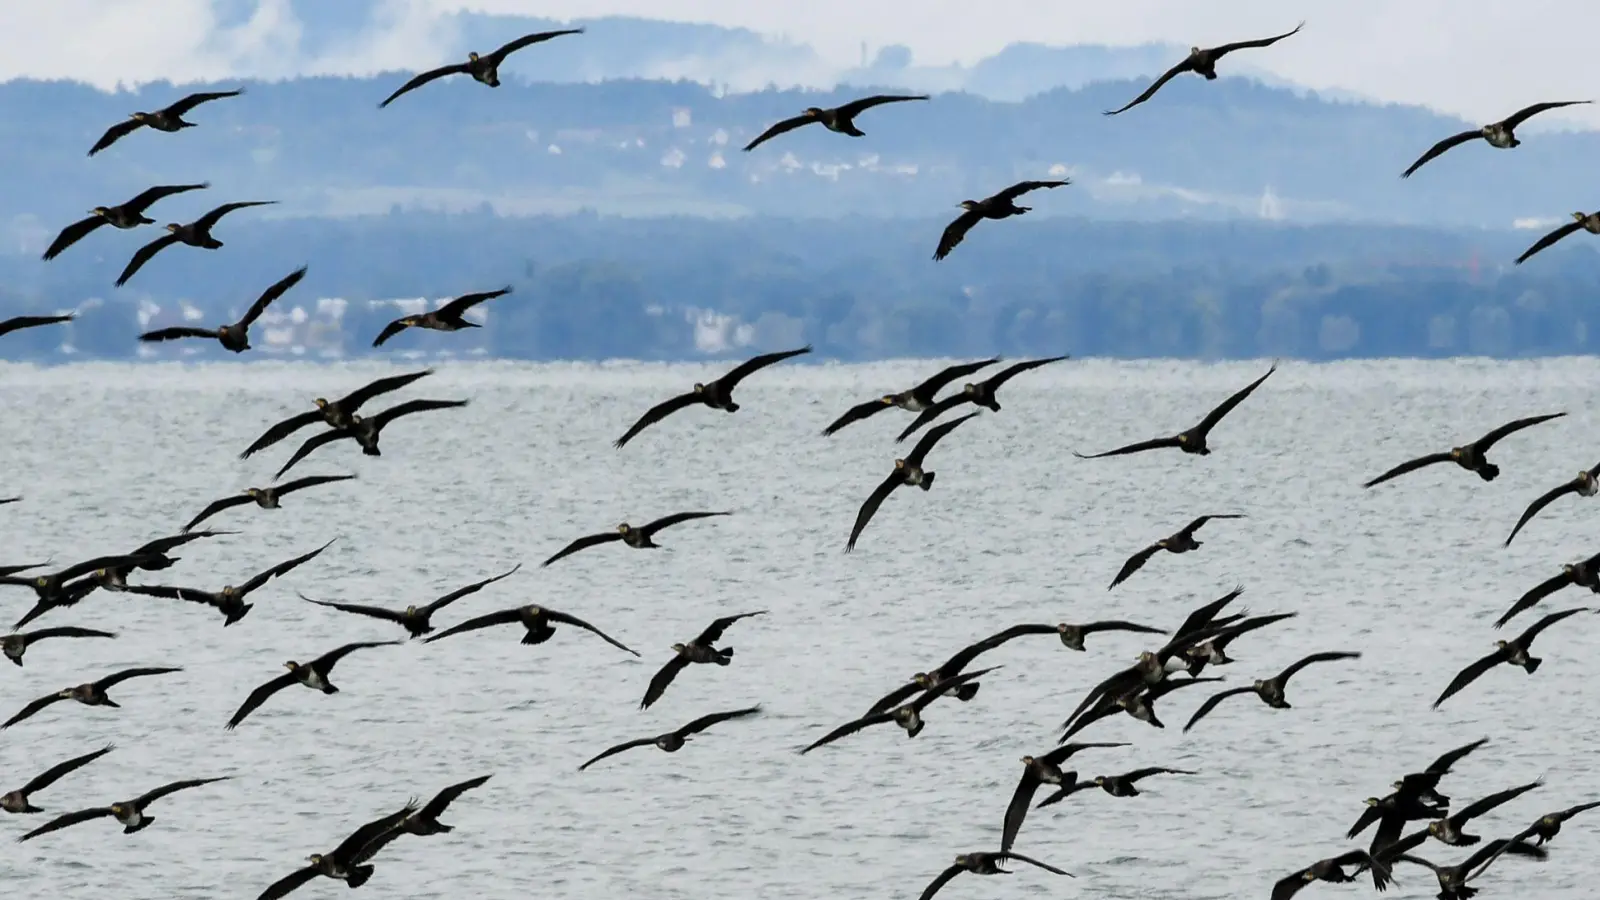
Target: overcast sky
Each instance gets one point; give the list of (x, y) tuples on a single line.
[(1482, 59)]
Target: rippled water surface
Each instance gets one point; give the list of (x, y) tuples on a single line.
[(1016, 530)]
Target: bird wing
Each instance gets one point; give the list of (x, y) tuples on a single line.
[(1212, 701), (1469, 674), (280, 431), (259, 696), (193, 100), (940, 881), (1118, 625), (488, 620), (1489, 440), (1140, 447), (1526, 113), (271, 294), (1525, 639), (325, 663), (947, 686), (1023, 187), (286, 885), (1368, 816), (749, 366), (364, 841), (281, 569), (422, 79), (32, 708), (1196, 525), (71, 818), (1549, 239), (780, 128), (713, 632), (143, 255), (162, 590), (1135, 563), (376, 612), (216, 507), (1116, 682), (391, 329), (447, 796), (72, 234), (568, 619), (1284, 676), (933, 412), (1410, 466), (675, 518), (920, 451), (1185, 66), (472, 588), (528, 39), (855, 414), (613, 751), (662, 678), (205, 222), (1479, 807), (1016, 369), (848, 729), (657, 413), (116, 678), (175, 333), (1225, 49), (1544, 500), (1137, 774), (1289, 885), (933, 385), (856, 107), (310, 481), (116, 133), (1571, 811), (461, 304), (1017, 810), (142, 202), (870, 507), (1442, 765), (17, 323), (66, 631), (1215, 416), (894, 698), (53, 774), (704, 722), (1035, 863), (353, 400), (955, 232), (1539, 591), (412, 406), (1221, 639), (176, 786), (1104, 707), (311, 444)]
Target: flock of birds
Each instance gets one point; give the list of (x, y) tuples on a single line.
[(1199, 642)]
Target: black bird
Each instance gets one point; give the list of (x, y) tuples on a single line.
[(49, 588), (906, 472), (1586, 484), (169, 119), (1390, 815), (906, 715), (345, 862), (1451, 829), (230, 600), (1472, 457), (425, 821), (266, 498), (700, 650), (927, 681), (1138, 701), (484, 69), (1496, 134), (1072, 636), (313, 674), (840, 119), (1203, 62), (92, 693), (981, 394), (15, 645), (1123, 785), (673, 741), (1193, 440), (128, 215), (1213, 651), (1549, 825), (17, 323), (1583, 573), (638, 538), (152, 557), (1514, 651), (1332, 871), (539, 623), (1453, 879), (195, 234), (998, 206), (336, 413), (235, 336), (1271, 690), (18, 801), (12, 570), (1424, 785), (129, 813), (1589, 222), (1182, 542), (366, 431), (983, 864), (1037, 770), (69, 595), (446, 318), (415, 619), (1150, 669), (716, 394), (918, 398)]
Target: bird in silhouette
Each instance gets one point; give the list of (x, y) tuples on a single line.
[(449, 317), (673, 741), (1495, 134), (1453, 879), (128, 215), (366, 431), (18, 323), (345, 862), (907, 715), (418, 620), (1330, 870), (1586, 484), (700, 650), (1473, 457), (839, 119), (236, 336), (1182, 542), (195, 234), (14, 645), (638, 538), (91, 693), (314, 675), (1203, 62), (1584, 573), (981, 394), (230, 600), (1581, 221), (484, 69), (983, 864), (336, 413), (1514, 652), (715, 394), (1037, 770), (128, 813), (907, 472), (915, 399), (1193, 440), (266, 498), (1269, 690), (998, 206), (169, 119), (20, 800), (538, 622)]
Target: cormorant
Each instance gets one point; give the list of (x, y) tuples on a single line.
[(916, 399), (128, 215), (1203, 62), (336, 413), (1182, 542), (1424, 785), (1037, 770), (1547, 826), (266, 498), (91, 693), (700, 650), (16, 644), (906, 715), (982, 864), (1072, 635), (638, 538), (425, 821), (1332, 871), (673, 741), (981, 394), (195, 234), (484, 69), (169, 119), (345, 862), (1123, 785), (715, 394), (1583, 573), (1496, 134), (129, 813), (1193, 440), (1451, 829), (1213, 651), (1472, 457), (446, 318), (230, 600), (1138, 701), (1514, 651), (366, 431), (1453, 879), (998, 206), (538, 622), (17, 323), (840, 119), (906, 472), (418, 620), (236, 336), (926, 681), (1587, 484), (1589, 222), (19, 800), (313, 674), (1270, 690)]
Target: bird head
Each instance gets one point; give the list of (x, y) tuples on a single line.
[(291, 665), (961, 859), (814, 112), (1433, 828), (1258, 685), (408, 321), (922, 680), (1183, 439), (1099, 781), (1455, 452), (100, 211), (624, 528), (534, 609), (138, 116), (66, 693), (117, 809), (886, 398), (411, 610), (41, 582), (968, 205), (679, 648), (321, 403), (899, 464), (1568, 568), (1162, 543), (100, 573), (969, 389), (699, 388), (1372, 801), (1027, 760), (473, 56), (1194, 51), (1579, 217), (252, 493), (1502, 644), (315, 858), (227, 592), (173, 227)]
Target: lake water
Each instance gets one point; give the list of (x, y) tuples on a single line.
[(1016, 530)]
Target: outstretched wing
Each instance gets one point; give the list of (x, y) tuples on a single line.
[(576, 622), (1470, 674), (176, 332), (675, 518), (749, 366), (311, 444), (152, 796), (1225, 49), (704, 722), (870, 507), (1023, 187), (855, 414), (288, 884), (472, 588), (1489, 440), (1410, 466), (955, 232), (72, 234), (1544, 500), (488, 620), (1211, 703), (1016, 369), (353, 400), (376, 612), (613, 751), (216, 507), (918, 453), (1297, 665), (1037, 864), (30, 709), (71, 818), (786, 125), (280, 431), (1549, 239), (461, 304), (1442, 765), (1483, 805), (413, 406), (116, 133), (849, 728), (1215, 416), (657, 413), (17, 323), (1526, 638), (1017, 810), (144, 254), (420, 80), (933, 412), (258, 697), (54, 773), (663, 678), (327, 661), (271, 294), (856, 107), (1140, 447), (582, 543), (1134, 564), (1199, 522), (1451, 141), (1528, 112), (939, 881), (193, 100), (1539, 591), (528, 39), (106, 683), (280, 570), (931, 386), (210, 219), (142, 202), (392, 329), (1185, 66), (714, 631), (448, 796)]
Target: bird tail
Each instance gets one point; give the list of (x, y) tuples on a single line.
[(15, 659), (371, 450), (967, 692), (30, 808), (1155, 721), (144, 822), (236, 616), (329, 689), (1489, 472), (725, 656), (992, 405), (111, 703), (358, 876), (732, 407), (1532, 665), (927, 481), (914, 730)]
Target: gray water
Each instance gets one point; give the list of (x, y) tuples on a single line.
[(1016, 530)]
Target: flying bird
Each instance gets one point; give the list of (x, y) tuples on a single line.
[(538, 622), (266, 498), (1193, 440), (129, 813), (20, 800), (336, 413), (128, 215), (981, 394), (1138, 701), (916, 399), (345, 862), (1182, 542), (1453, 879), (907, 715), (195, 234), (230, 600), (17, 323), (425, 821), (998, 206), (1072, 636), (716, 394), (840, 119), (983, 864), (946, 672), (418, 620), (1589, 222), (92, 693), (484, 69), (906, 472), (1332, 871), (313, 674), (1213, 651), (1270, 690), (1472, 457), (1424, 785), (1514, 652), (1203, 62), (700, 650), (446, 318), (673, 741), (1451, 829), (16, 644), (1496, 134), (638, 538), (366, 431), (1586, 484), (1584, 573), (1547, 826), (169, 119), (1037, 770), (236, 336)]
